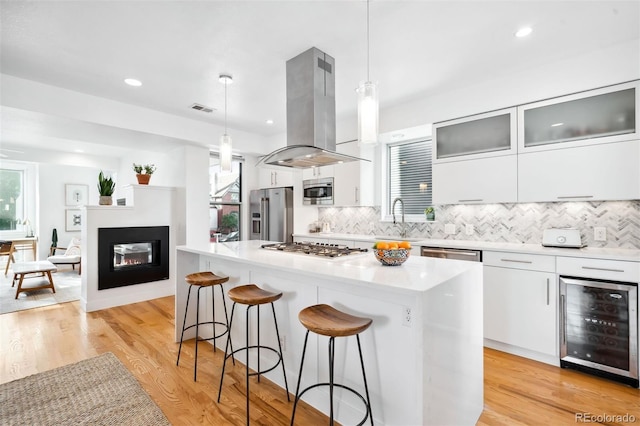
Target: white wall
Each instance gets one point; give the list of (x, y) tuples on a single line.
[(52, 179)]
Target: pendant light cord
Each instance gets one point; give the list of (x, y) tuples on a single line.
[(368, 78)]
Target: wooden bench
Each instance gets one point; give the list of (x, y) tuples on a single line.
[(42, 267)]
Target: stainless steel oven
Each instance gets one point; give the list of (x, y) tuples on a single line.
[(317, 191), (599, 328)]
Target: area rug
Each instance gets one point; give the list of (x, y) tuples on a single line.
[(67, 283), (96, 391)]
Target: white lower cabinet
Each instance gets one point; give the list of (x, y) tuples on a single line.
[(481, 181), (520, 305)]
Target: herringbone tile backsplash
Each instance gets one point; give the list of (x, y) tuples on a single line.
[(512, 223)]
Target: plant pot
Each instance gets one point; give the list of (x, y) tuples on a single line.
[(431, 216), (105, 200), (143, 179)]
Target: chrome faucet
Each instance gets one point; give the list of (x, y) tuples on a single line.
[(403, 230)]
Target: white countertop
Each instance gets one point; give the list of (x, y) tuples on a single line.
[(417, 274), (631, 255)]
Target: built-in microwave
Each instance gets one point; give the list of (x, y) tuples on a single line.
[(317, 191)]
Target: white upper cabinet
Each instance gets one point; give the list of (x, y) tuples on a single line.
[(273, 178), (480, 181), (595, 172), (317, 172), (353, 181), (609, 114), (484, 135)]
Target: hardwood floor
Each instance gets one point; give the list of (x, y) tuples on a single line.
[(517, 391)]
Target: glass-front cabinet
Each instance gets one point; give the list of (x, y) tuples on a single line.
[(484, 135), (603, 115)]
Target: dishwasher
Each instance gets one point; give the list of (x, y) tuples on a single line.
[(452, 253)]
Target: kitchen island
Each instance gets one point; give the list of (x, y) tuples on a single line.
[(423, 353)]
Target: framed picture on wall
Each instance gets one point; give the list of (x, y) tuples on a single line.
[(76, 194), (73, 220)]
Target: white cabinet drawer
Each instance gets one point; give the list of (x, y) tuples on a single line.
[(532, 262), (616, 270)]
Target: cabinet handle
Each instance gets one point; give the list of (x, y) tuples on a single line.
[(563, 314), (471, 199), (602, 269), (547, 291), (275, 178), (515, 261), (568, 197), (356, 190), (271, 178)]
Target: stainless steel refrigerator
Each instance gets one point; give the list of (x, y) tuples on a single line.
[(271, 213)]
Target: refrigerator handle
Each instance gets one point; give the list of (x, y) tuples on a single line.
[(264, 218)]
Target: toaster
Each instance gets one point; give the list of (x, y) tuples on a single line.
[(562, 237)]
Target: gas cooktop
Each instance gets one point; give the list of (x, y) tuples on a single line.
[(316, 249)]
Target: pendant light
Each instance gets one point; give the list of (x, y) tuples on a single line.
[(225, 139), (368, 104)]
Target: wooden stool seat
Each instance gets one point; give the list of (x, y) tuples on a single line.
[(328, 321), (205, 279), (251, 294)]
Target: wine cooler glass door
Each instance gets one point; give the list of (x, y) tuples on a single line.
[(599, 325)]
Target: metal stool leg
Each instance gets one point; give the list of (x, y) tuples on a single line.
[(295, 401), (258, 328), (284, 373), (184, 323), (213, 319), (247, 357), (332, 348), (195, 363), (226, 319), (364, 376), (226, 351)]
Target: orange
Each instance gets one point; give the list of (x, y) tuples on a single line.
[(382, 245), (405, 245), (393, 245)]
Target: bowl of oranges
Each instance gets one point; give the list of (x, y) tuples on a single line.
[(392, 253)]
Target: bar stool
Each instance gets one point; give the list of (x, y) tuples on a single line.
[(203, 280), (328, 321), (252, 295)]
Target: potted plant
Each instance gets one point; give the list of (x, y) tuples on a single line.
[(430, 213), (144, 172), (106, 186)]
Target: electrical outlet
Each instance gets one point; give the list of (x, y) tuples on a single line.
[(407, 318), (450, 228), (600, 233), (283, 343), (469, 229)]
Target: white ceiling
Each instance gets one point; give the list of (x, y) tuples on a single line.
[(178, 49)]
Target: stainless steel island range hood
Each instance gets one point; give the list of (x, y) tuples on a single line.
[(311, 114)]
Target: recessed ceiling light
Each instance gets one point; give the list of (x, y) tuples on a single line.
[(557, 124), (79, 150), (133, 82), (269, 122), (523, 32)]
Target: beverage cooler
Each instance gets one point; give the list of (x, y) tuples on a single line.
[(599, 328)]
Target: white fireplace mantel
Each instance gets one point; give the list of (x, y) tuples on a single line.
[(146, 205)]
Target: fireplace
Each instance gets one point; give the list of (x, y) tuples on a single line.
[(134, 255)]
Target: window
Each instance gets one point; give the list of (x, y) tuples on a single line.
[(225, 200), (17, 199), (409, 175)]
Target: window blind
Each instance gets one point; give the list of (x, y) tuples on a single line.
[(409, 176)]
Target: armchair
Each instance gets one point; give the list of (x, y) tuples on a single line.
[(72, 255)]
